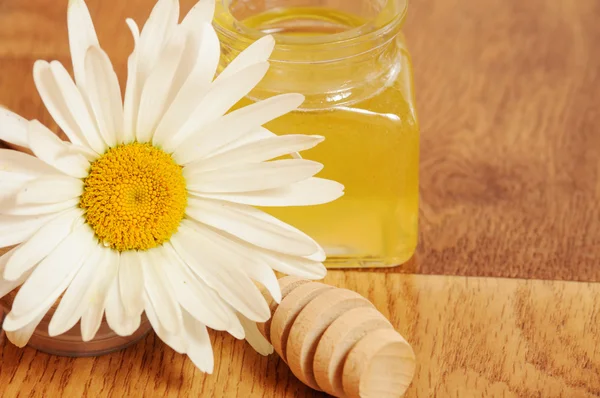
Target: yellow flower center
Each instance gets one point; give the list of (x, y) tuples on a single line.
[(134, 197)]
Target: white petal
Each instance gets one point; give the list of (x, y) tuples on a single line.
[(258, 134), (16, 229), (237, 330), (13, 128), (202, 302), (22, 165), (253, 226), (257, 52), (205, 259), (95, 300), (258, 262), (54, 101), (9, 178), (8, 191), (293, 265), (318, 256), (50, 189), (49, 148), (7, 286), (156, 31), (116, 317), (134, 29), (256, 151), (262, 273), (77, 107), (16, 168), (50, 278), (131, 282), (220, 97), (235, 125), (13, 178), (20, 337), (175, 341), (238, 252), (4, 257), (82, 35), (104, 94), (156, 88), (201, 13), (252, 176), (91, 321), (194, 88), (18, 209), (160, 292), (314, 191), (194, 55), (74, 302), (199, 348), (84, 151), (41, 243), (133, 89), (185, 65), (254, 337)]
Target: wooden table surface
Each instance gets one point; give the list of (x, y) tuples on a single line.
[(500, 300)]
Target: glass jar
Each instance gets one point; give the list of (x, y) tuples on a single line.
[(350, 60), (70, 343)]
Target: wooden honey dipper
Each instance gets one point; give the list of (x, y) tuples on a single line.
[(335, 340)]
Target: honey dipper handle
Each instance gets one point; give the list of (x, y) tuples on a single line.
[(335, 340)]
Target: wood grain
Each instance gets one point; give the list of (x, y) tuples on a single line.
[(473, 337), (508, 95)]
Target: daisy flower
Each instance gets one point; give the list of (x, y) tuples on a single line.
[(149, 207)]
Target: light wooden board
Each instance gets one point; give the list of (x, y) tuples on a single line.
[(473, 337)]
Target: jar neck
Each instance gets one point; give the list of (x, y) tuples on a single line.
[(329, 69)]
